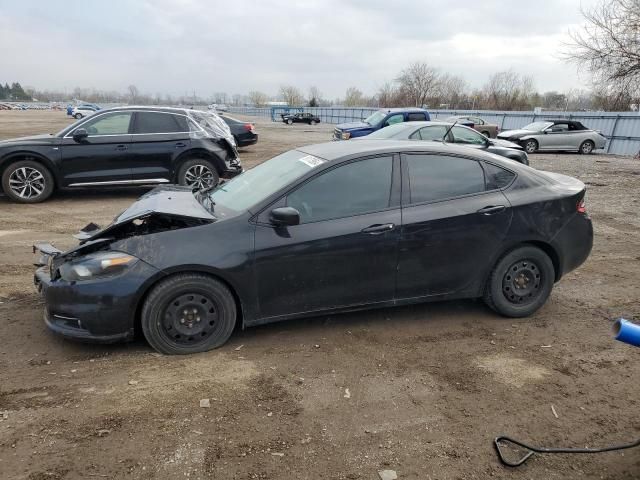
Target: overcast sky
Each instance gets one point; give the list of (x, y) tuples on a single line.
[(178, 46)]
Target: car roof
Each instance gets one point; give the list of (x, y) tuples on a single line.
[(402, 109), (151, 109), (338, 150)]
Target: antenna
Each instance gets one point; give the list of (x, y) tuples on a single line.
[(444, 137)]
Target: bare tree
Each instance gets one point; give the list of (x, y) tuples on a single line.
[(133, 93), (354, 98), (452, 90), (508, 91), (258, 98), (609, 44), (315, 96), (291, 95), (387, 95), (419, 81)]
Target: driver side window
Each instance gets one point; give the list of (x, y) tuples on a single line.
[(109, 124), (393, 119), (353, 189)]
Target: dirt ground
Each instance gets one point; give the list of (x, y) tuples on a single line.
[(421, 390)]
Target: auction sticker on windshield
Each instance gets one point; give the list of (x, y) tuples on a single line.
[(311, 161)]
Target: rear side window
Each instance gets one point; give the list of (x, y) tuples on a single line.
[(156, 122), (497, 177), (415, 117), (435, 132), (352, 189), (438, 177)]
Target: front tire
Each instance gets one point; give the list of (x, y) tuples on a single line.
[(312, 122), (198, 173), (27, 181), (586, 147), (530, 146), (188, 313), (520, 282)]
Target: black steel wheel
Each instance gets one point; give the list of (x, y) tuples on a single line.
[(188, 313), (520, 282)]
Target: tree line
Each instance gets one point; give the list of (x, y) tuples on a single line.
[(13, 92)]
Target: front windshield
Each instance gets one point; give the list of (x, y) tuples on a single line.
[(375, 118), (537, 126), (257, 184), (392, 131)]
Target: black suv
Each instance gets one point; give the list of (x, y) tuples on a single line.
[(121, 146)]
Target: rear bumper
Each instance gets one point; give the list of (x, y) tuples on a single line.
[(575, 242)]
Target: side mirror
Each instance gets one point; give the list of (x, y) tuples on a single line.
[(285, 216), (80, 134)]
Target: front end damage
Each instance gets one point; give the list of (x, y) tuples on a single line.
[(92, 290)]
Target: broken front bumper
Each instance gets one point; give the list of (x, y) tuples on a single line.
[(101, 310)]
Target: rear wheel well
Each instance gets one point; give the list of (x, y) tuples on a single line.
[(137, 321), (216, 160), (545, 247)]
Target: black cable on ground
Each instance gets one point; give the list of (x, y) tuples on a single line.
[(533, 450)]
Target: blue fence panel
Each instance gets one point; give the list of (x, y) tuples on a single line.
[(622, 129)]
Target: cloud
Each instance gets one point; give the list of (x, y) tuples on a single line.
[(181, 46)]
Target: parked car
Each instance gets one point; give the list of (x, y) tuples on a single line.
[(244, 133), (82, 111), (121, 146), (450, 133), (557, 135), (218, 107), (300, 117), (377, 120), (489, 130), (324, 228)]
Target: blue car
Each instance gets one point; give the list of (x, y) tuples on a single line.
[(377, 120)]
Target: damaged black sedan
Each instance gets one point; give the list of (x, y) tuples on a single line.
[(325, 228)]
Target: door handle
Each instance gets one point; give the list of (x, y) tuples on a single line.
[(378, 228), (121, 148), (492, 209), (180, 145)]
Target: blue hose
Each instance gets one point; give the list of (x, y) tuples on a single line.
[(627, 332)]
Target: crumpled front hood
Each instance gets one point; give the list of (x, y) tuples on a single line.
[(515, 133), (505, 143), (46, 139), (168, 200)]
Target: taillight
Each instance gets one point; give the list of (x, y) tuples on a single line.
[(248, 127), (581, 207)]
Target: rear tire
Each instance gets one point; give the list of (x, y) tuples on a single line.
[(486, 134), (530, 146), (27, 181), (312, 122), (188, 313), (198, 173), (77, 116), (586, 147), (520, 282)]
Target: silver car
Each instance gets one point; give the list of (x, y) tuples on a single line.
[(556, 135)]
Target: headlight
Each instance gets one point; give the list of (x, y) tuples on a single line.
[(346, 135), (96, 265)]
